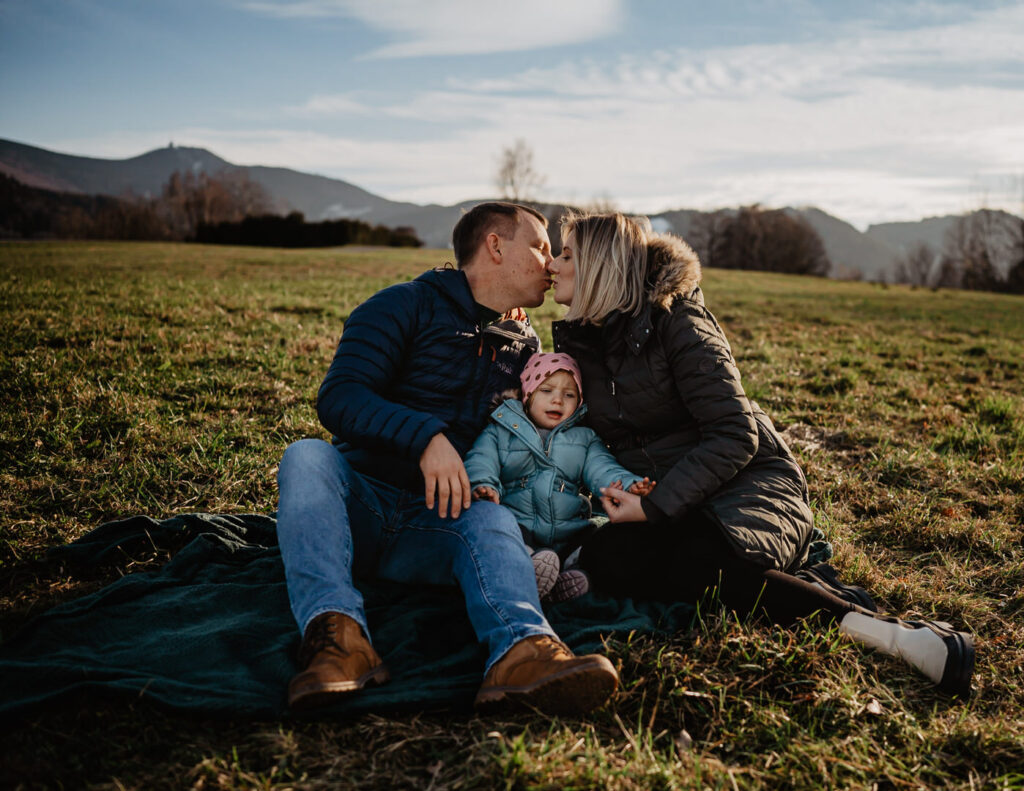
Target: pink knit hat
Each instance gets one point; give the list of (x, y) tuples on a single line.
[(542, 364)]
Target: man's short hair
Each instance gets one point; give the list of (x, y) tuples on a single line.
[(473, 226)]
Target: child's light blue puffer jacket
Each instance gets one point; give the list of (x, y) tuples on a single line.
[(540, 482)]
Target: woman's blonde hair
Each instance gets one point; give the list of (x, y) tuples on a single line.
[(610, 263)]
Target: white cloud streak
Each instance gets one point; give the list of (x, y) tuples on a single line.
[(463, 27)]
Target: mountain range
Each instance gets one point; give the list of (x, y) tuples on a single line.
[(872, 253)]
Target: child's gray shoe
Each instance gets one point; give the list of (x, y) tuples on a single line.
[(570, 584), (545, 566)]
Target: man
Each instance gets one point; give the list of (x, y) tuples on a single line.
[(408, 391)]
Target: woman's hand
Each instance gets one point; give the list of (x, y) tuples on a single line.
[(486, 493), (622, 506)]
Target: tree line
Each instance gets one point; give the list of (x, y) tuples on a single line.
[(270, 230), (226, 208), (982, 251)]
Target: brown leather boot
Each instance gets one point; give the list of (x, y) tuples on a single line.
[(335, 658), (541, 672)]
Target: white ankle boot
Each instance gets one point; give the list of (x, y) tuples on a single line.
[(943, 654)]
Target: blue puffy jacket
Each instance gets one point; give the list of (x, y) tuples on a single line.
[(414, 360), (540, 481)]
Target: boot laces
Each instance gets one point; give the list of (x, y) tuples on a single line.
[(550, 648), (322, 635)]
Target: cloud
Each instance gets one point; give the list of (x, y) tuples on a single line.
[(329, 105), (463, 27), (987, 47), (861, 125)]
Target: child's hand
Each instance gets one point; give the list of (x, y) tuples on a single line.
[(642, 488), (485, 493)]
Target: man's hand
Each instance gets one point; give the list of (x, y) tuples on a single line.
[(444, 474), (643, 488), (486, 493), (622, 506)]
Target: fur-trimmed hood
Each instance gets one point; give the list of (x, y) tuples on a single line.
[(675, 269)]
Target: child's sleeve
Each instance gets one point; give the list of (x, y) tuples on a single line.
[(601, 469), (482, 465)]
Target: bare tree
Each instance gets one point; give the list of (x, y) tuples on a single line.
[(1015, 275), (516, 178), (915, 265), (976, 248), (706, 232), (190, 200), (1015, 278)]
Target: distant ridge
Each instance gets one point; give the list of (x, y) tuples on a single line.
[(143, 175), (902, 235), (318, 197), (871, 254)]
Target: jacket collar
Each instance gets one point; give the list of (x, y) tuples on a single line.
[(513, 325), (511, 415), (674, 270), (455, 285)]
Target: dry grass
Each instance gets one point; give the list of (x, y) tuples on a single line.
[(158, 379)]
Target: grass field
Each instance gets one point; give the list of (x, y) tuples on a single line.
[(160, 379)]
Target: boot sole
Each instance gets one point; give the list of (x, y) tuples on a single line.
[(314, 695), (566, 591), (956, 678), (545, 569), (826, 576), (575, 690)]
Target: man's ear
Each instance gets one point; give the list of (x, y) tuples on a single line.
[(492, 243)]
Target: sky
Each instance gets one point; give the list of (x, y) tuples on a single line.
[(875, 111)]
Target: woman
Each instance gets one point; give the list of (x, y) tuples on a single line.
[(730, 509)]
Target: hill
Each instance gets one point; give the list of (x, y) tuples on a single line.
[(318, 197), (902, 236), (851, 251)]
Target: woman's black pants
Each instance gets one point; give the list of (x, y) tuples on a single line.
[(686, 560)]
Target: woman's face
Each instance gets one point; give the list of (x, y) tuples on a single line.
[(563, 270)]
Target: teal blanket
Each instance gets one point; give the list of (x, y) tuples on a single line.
[(211, 632)]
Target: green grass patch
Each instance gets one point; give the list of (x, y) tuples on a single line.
[(162, 378)]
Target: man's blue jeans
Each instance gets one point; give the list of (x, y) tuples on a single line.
[(332, 521)]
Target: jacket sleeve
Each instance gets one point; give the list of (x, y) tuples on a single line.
[(352, 402), (708, 383), (601, 469), (483, 465)]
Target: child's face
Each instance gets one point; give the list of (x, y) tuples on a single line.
[(554, 400)]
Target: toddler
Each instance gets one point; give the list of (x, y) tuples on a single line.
[(534, 459)]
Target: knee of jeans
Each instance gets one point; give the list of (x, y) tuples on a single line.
[(306, 458), (486, 518)]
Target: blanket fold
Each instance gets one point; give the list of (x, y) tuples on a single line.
[(211, 632)]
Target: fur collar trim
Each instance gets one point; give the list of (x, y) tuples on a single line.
[(675, 269)]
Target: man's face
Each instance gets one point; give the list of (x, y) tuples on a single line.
[(527, 255)]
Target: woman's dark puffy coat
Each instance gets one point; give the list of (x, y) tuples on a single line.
[(664, 392)]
